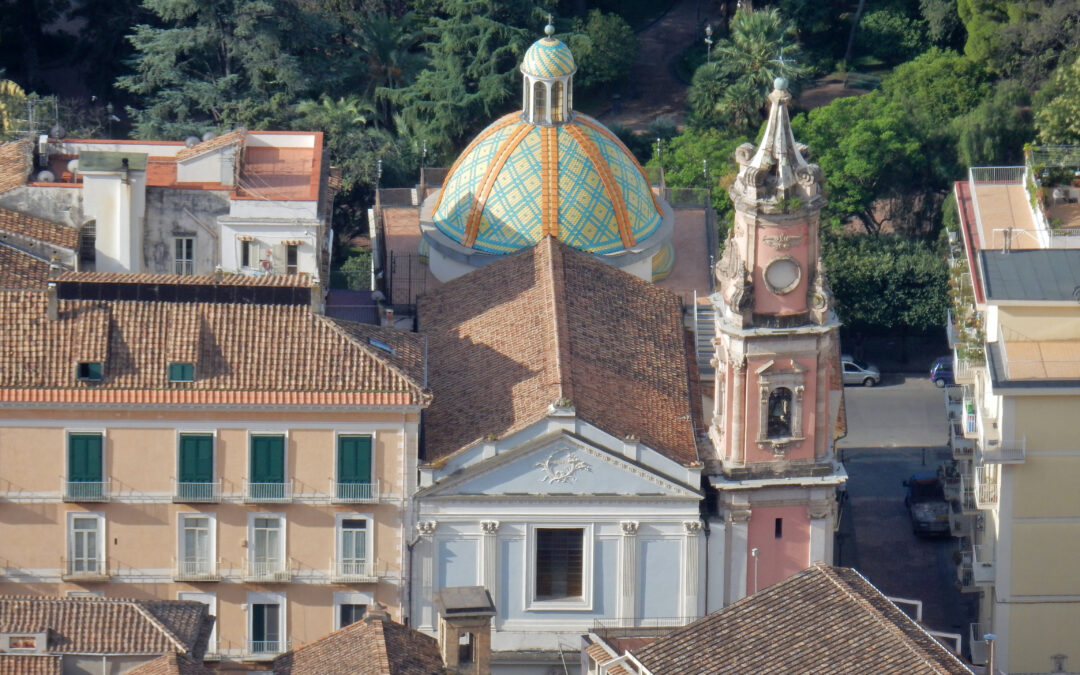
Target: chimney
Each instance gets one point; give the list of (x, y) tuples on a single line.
[(376, 612), (219, 275), (317, 306), (52, 304), (465, 611)]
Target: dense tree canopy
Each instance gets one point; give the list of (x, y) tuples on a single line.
[(1058, 116)]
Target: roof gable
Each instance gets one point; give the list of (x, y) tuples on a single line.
[(23, 225), (372, 646), (552, 324)]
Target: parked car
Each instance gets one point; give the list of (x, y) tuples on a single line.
[(926, 504), (941, 372), (857, 372)]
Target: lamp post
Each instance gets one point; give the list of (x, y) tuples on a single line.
[(708, 43)]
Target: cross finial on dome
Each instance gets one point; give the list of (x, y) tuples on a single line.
[(549, 29)]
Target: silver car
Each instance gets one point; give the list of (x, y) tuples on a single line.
[(857, 372)]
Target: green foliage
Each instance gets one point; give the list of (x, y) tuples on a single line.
[(890, 36), (604, 49), (731, 91), (886, 283), (938, 86), (217, 63), (994, 133), (355, 273), (942, 22), (982, 21), (1058, 115)]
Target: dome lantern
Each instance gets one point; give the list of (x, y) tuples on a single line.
[(548, 76)]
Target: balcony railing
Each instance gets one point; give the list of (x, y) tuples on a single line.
[(202, 569), (353, 572), (268, 493), (268, 571), (84, 569), (1005, 452), (986, 487), (962, 447), (976, 631), (193, 493), (265, 648), (354, 493), (967, 491), (964, 372), (982, 564), (86, 491)]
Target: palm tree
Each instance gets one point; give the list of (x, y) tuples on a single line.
[(389, 47), (11, 97)]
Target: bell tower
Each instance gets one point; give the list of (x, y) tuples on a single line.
[(778, 398)]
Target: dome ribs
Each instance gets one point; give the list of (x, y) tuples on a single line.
[(550, 181), (506, 121), (607, 133), (476, 211), (611, 186)]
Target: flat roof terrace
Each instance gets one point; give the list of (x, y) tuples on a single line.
[(1002, 208)]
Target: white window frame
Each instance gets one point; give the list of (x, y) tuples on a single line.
[(211, 524), (269, 432), (374, 440), (350, 598), (252, 248), (210, 600), (339, 531), (179, 262), (267, 598), (69, 548), (69, 432), (585, 604), (251, 536)]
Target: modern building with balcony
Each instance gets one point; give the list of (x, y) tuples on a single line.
[(1014, 428), (214, 439)]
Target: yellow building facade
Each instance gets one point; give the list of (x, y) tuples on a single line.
[(270, 480)]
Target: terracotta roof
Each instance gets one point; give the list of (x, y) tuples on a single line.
[(20, 270), (14, 164), (549, 323), (30, 664), (289, 280), (172, 663), (36, 228), (821, 619), (368, 647), (109, 625), (231, 138), (247, 354)]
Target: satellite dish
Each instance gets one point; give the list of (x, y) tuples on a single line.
[(208, 135), (73, 167), (57, 131), (191, 141), (46, 177)]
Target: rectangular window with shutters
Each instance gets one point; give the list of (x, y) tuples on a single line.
[(181, 372), (266, 623), (184, 255), (292, 254), (353, 563), (266, 469), (86, 545), (85, 468), (266, 547), (354, 470), (559, 564), (195, 469), (196, 546)]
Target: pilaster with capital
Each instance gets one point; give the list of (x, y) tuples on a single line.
[(691, 568), (425, 530), (626, 603), (489, 555)]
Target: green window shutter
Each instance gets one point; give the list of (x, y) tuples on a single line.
[(84, 458), (181, 372), (354, 459), (196, 458), (267, 459)]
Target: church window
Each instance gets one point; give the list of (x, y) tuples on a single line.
[(559, 563), (779, 424), (557, 102), (539, 102), (778, 528)]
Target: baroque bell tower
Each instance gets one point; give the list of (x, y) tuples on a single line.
[(778, 399)]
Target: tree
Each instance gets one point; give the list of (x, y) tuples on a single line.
[(942, 22), (12, 99), (604, 49), (743, 69), (388, 46), (1058, 115), (937, 86), (891, 36), (865, 269), (218, 63), (994, 133)]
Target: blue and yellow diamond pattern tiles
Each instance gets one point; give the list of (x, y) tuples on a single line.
[(548, 57), (493, 199)]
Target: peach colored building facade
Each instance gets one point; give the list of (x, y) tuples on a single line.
[(108, 498)]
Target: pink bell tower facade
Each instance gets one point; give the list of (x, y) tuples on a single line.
[(778, 399)]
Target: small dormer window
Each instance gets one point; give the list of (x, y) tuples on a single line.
[(88, 371), (23, 642), (382, 345), (181, 372)]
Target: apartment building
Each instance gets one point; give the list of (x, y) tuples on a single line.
[(207, 438), (1013, 421)]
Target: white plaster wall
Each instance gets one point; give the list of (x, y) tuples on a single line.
[(297, 140), (205, 168), (282, 210), (69, 147), (266, 237)]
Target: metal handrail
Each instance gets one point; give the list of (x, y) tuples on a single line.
[(353, 571), (189, 492), (201, 569), (95, 567), (268, 493), (269, 570), (354, 493), (86, 491)]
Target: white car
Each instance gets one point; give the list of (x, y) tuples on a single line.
[(857, 372)]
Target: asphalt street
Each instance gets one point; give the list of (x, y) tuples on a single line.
[(894, 430)]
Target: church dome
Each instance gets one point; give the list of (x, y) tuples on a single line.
[(518, 182), (548, 57)]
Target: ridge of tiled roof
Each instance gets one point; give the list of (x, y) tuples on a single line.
[(511, 338), (230, 138), (246, 354), (105, 625), (173, 663), (20, 270), (25, 225), (283, 280), (368, 647), (822, 617), (15, 164)]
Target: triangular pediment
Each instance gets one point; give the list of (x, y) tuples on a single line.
[(559, 465)]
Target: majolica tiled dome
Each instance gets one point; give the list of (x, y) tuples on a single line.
[(548, 57), (517, 182)]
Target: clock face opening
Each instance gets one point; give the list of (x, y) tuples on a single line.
[(782, 275)]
